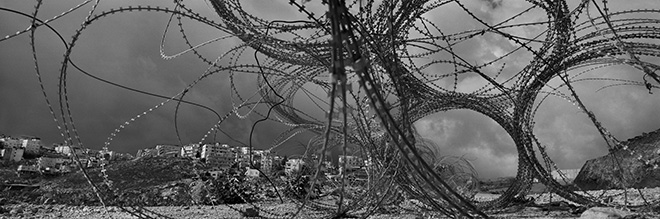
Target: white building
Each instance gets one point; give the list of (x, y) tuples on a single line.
[(215, 173), (244, 150), (352, 162), (267, 159), (254, 173), (28, 168), (168, 150), (293, 165), (63, 149), (191, 150), (218, 155), (68, 150), (242, 156), (107, 155), (328, 165)]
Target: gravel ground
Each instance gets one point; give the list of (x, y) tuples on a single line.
[(280, 211), (73, 212), (286, 210)]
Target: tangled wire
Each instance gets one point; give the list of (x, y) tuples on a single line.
[(407, 68)]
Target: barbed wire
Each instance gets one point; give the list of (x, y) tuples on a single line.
[(393, 50)]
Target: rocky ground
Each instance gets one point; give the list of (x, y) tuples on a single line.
[(273, 211), (159, 183), (221, 211), (544, 206)]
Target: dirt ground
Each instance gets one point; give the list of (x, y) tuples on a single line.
[(274, 211), (236, 211), (287, 210)]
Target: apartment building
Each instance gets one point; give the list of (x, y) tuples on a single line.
[(51, 162), (68, 150), (191, 150), (218, 155), (168, 150), (352, 162), (293, 165), (267, 159), (28, 169), (12, 154), (12, 142), (244, 150), (31, 145), (242, 156), (147, 152)]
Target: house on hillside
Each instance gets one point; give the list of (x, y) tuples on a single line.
[(254, 173), (191, 150), (165, 150), (28, 169), (32, 145), (352, 163), (12, 154), (215, 173), (242, 156), (147, 152), (267, 159), (293, 165), (92, 152), (218, 155), (118, 156), (11, 142), (51, 164), (69, 150)]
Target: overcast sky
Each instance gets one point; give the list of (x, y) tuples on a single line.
[(124, 48)]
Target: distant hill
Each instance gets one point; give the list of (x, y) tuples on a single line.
[(605, 173), (151, 180), (136, 173)]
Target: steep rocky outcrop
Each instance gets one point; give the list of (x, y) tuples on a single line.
[(637, 169)]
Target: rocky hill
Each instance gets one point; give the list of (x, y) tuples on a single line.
[(152, 180), (621, 168)]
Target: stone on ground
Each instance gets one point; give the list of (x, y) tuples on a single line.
[(603, 212)]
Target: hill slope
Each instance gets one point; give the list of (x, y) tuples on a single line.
[(638, 166)]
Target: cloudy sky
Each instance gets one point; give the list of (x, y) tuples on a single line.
[(124, 49)]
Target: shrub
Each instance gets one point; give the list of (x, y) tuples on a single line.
[(230, 189), (298, 184)]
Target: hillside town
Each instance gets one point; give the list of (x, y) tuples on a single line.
[(35, 157), (222, 157)]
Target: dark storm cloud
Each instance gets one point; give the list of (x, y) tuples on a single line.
[(567, 133), (122, 49)]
